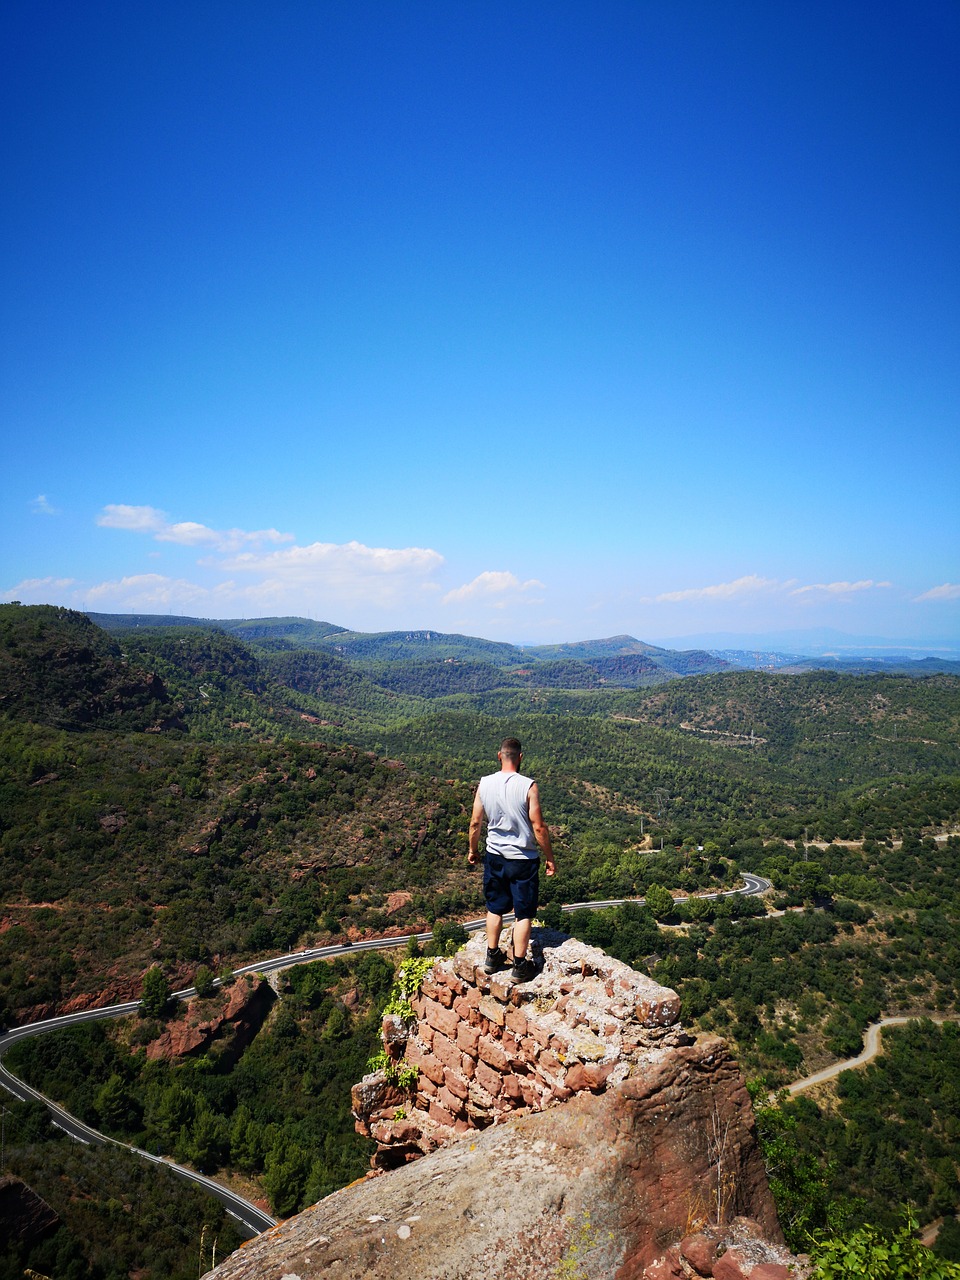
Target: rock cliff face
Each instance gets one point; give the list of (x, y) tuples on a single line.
[(233, 1018), (24, 1216), (568, 1127)]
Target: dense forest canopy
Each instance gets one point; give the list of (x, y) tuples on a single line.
[(196, 796)]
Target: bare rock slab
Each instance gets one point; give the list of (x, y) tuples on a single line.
[(603, 1183)]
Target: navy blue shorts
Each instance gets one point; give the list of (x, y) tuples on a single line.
[(511, 884)]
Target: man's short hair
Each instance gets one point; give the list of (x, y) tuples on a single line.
[(510, 747)]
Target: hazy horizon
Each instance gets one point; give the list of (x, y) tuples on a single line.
[(814, 641)]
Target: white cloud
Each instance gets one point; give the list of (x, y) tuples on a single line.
[(840, 588), (946, 591), (147, 593), (348, 566), (186, 533), (752, 585), (316, 580), (749, 585), (138, 519), (493, 587), (41, 506), (37, 590)]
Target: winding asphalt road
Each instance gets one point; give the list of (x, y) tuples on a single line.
[(248, 1215)]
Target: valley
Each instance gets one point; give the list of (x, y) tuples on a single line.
[(190, 797)]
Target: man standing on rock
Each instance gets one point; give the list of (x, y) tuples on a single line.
[(510, 803)]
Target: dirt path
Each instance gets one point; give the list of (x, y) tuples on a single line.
[(872, 1047)]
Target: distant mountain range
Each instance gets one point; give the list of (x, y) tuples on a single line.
[(616, 660)]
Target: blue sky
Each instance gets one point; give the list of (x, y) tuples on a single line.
[(539, 322)]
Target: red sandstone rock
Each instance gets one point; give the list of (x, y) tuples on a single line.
[(632, 1136), (440, 1115), (511, 1087), (770, 1271), (456, 1083), (596, 1074), (446, 1051), (576, 1077), (441, 1019), (395, 1033), (467, 1038), (451, 1102), (700, 1251), (732, 1266), (490, 1052), (517, 1022), (666, 1268), (243, 1008), (541, 1035), (491, 1080), (467, 1002), (492, 1009)]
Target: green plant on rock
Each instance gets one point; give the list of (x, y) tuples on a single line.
[(408, 982), (404, 1074)]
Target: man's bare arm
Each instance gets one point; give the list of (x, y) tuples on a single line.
[(540, 829), (476, 825)]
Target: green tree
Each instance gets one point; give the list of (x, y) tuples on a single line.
[(872, 1254), (551, 915), (210, 1140), (448, 936), (948, 1240), (156, 993), (204, 982), (285, 1175), (659, 901), (246, 1140), (116, 1106)]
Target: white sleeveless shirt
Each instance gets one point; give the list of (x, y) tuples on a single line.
[(509, 829)]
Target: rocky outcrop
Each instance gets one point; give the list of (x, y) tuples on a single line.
[(566, 1126), (24, 1216), (481, 1048), (549, 1194), (239, 1015), (740, 1251)]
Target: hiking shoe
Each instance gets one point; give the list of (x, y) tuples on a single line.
[(523, 970), (495, 961)]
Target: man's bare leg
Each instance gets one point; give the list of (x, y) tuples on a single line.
[(521, 938), (494, 925)]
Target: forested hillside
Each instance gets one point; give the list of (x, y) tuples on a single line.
[(57, 668), (189, 796), (182, 795)]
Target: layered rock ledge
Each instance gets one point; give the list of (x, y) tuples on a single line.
[(567, 1127), (481, 1048)]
